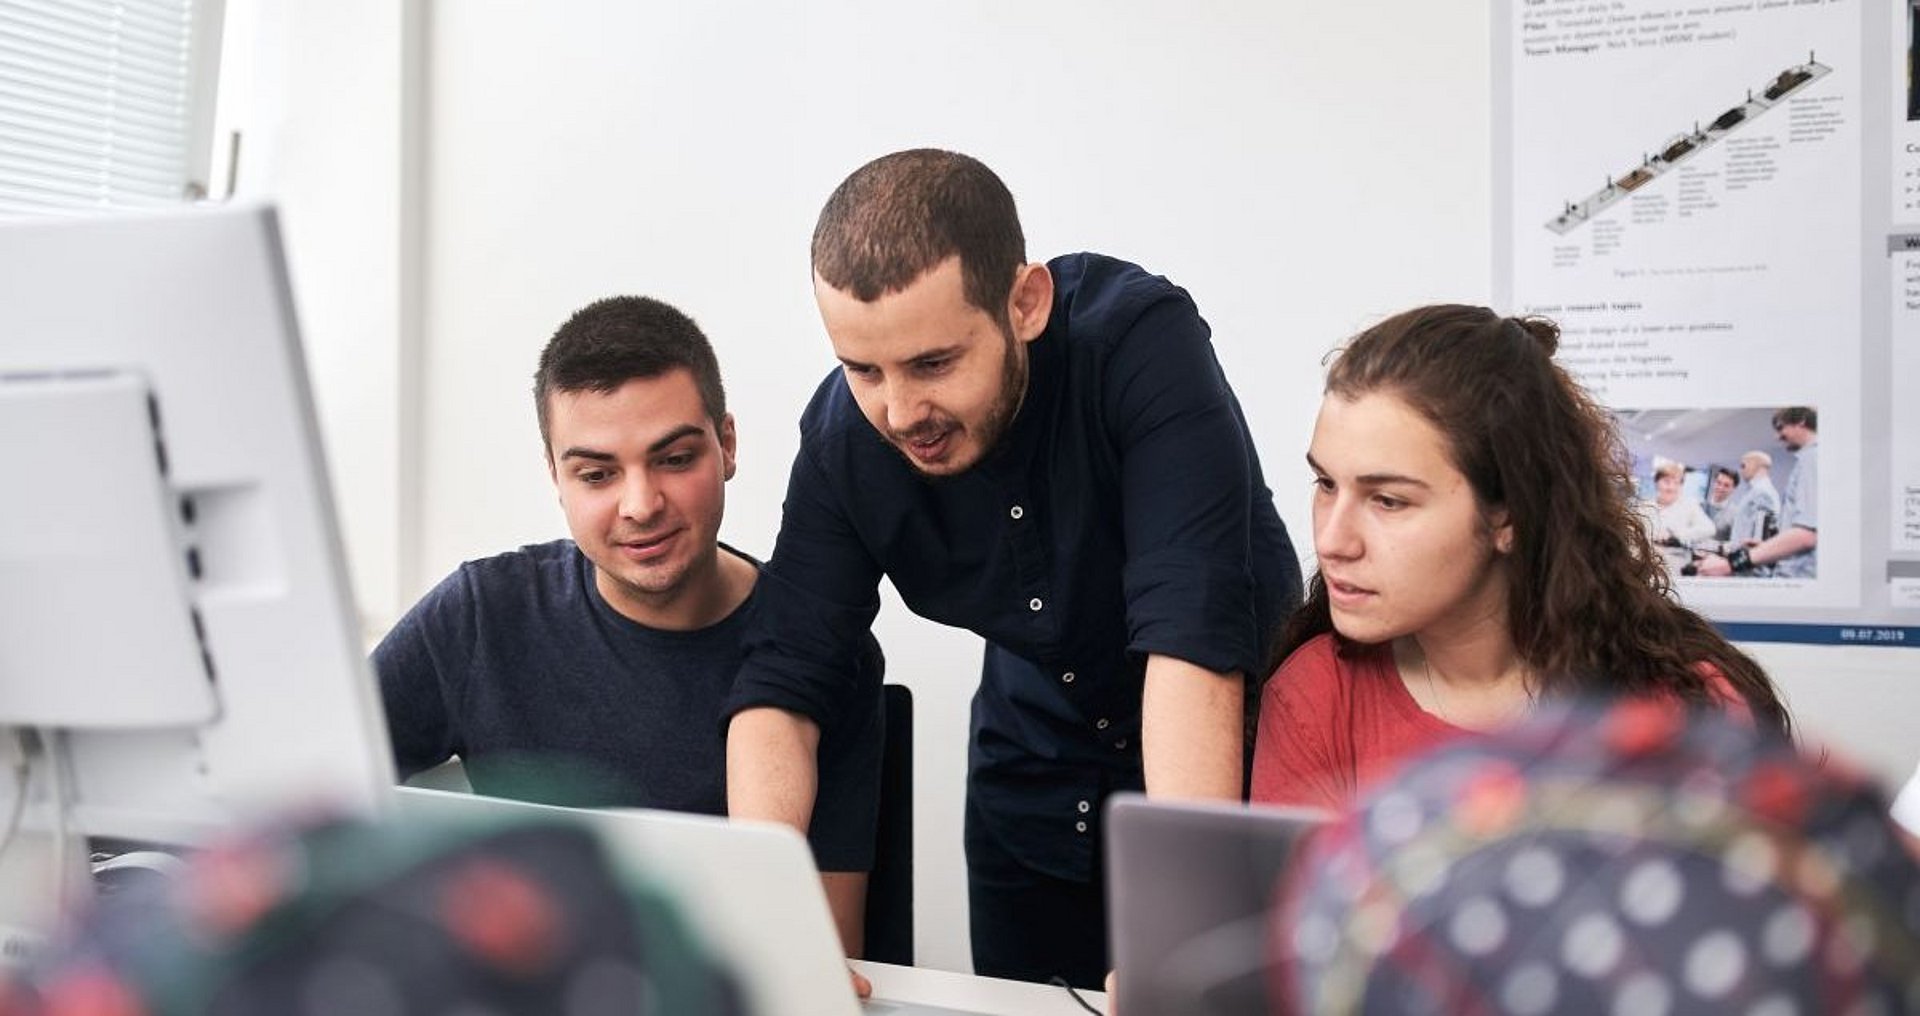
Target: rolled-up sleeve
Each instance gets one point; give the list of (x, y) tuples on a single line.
[(1185, 494)]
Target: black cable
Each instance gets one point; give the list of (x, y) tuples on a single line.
[(1061, 982)]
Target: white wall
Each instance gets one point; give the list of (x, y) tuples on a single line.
[(322, 137), (1301, 167)]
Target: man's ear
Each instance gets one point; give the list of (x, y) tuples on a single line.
[(1030, 301), (727, 445)]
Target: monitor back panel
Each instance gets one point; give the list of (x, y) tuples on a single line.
[(1189, 892)]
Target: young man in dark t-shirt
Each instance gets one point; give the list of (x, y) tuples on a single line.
[(593, 671)]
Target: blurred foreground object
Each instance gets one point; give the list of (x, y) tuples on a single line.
[(1636, 859), (349, 917)]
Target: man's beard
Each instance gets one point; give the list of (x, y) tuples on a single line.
[(993, 426)]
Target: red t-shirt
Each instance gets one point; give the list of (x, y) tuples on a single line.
[(1336, 716), (1331, 718)]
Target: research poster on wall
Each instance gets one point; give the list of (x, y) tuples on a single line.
[(1720, 205)]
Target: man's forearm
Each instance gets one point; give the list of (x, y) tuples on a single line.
[(773, 774), (1192, 730), (1784, 544), (847, 898), (772, 767)]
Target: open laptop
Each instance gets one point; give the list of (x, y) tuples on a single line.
[(752, 894), (1189, 887)]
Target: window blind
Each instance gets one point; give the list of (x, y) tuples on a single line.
[(103, 103)]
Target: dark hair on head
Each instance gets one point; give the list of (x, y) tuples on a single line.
[(1804, 416), (900, 215), (1727, 471), (1590, 604), (612, 341)]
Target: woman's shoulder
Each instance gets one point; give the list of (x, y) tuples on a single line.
[(1721, 689), (1322, 668), (1318, 656), (1316, 651), (1721, 692)]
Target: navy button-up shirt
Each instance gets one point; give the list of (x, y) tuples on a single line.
[(1122, 514)]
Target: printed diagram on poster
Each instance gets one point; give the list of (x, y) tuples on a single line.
[(1681, 147)]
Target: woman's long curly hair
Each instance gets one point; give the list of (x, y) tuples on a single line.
[(1590, 606)]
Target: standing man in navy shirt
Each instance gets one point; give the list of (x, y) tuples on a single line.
[(1048, 455)]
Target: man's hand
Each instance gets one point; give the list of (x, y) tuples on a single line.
[(1712, 566), (1784, 544), (1192, 730)]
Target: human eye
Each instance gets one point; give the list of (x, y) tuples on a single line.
[(862, 371), (1322, 484), (1388, 502), (933, 365), (592, 477), (682, 459)]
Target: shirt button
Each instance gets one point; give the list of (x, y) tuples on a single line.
[(1079, 827), (1016, 511), (1067, 678), (1085, 807), (1121, 744), (1035, 604), (1100, 724)]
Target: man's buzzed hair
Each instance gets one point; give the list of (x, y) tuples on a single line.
[(612, 341), (900, 215)]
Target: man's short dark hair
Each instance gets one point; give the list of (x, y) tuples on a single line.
[(612, 341), (900, 215), (1727, 471), (1803, 416)]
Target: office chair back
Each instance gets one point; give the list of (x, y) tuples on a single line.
[(890, 886)]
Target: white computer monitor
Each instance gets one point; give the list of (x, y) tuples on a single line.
[(175, 616)]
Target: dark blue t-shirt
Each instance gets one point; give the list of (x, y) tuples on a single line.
[(517, 665), (1122, 514)]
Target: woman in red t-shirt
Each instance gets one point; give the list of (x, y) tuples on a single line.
[(1478, 550)]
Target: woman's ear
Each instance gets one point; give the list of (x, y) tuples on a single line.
[(1502, 531)]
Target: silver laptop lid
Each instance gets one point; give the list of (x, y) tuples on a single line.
[(749, 889), (1189, 887)]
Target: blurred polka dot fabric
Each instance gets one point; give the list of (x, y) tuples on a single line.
[(354, 919), (1636, 860)]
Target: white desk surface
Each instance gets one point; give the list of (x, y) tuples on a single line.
[(977, 994)]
